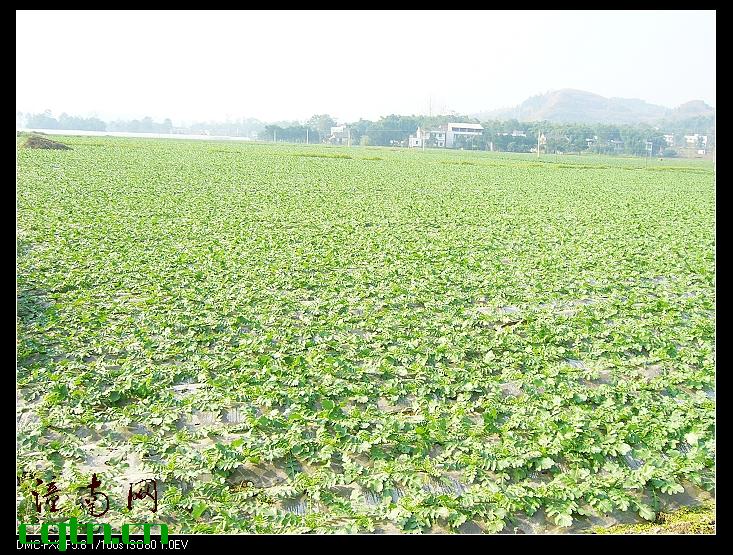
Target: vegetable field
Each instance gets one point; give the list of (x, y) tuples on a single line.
[(319, 339)]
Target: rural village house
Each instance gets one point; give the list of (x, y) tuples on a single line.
[(444, 136)]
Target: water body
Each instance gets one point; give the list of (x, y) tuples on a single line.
[(126, 134)]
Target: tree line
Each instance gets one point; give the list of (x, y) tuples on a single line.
[(394, 130), (504, 136), (245, 127)]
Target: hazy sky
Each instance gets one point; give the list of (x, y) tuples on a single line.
[(194, 65)]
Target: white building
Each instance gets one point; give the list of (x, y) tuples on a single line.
[(542, 140), (428, 137), (669, 139), (419, 139), (693, 140), (444, 136), (456, 130), (339, 135)]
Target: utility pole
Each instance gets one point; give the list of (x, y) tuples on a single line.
[(539, 134), (422, 138), (306, 135), (349, 131), (430, 106), (274, 135)]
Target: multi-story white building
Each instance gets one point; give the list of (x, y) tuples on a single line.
[(339, 135), (444, 136), (456, 130)]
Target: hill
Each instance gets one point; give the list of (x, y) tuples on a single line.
[(575, 106)]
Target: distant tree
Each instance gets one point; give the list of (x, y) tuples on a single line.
[(96, 124), (42, 121), (511, 124), (66, 121), (659, 143), (146, 125), (557, 141), (296, 134), (322, 123), (359, 130), (271, 133), (578, 136), (392, 130)]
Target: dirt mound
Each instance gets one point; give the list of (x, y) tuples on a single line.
[(36, 141)]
